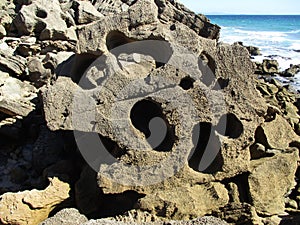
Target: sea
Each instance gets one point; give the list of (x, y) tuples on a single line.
[(277, 36)]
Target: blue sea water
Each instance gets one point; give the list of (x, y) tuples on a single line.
[(278, 36)]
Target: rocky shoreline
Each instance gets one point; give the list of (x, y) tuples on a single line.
[(47, 51)]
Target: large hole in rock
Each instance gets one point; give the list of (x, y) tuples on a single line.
[(155, 46), (118, 204), (242, 184), (230, 126), (206, 147), (80, 64), (147, 116), (115, 39)]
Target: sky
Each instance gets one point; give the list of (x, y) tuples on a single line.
[(263, 7)]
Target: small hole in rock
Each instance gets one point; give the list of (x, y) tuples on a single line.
[(41, 13), (173, 27), (230, 126), (207, 145), (187, 83), (207, 66), (161, 136), (221, 84)]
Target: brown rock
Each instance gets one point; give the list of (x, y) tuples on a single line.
[(270, 180), (32, 207), (277, 134), (270, 66)]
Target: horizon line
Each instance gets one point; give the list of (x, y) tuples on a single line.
[(247, 14)]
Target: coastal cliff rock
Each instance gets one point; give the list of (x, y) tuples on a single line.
[(142, 117), (31, 207)]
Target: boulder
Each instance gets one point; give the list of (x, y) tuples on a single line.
[(17, 97), (85, 12), (253, 51), (46, 20), (292, 71), (277, 134), (38, 74), (270, 66), (16, 65), (66, 217), (32, 207), (270, 180), (153, 81)]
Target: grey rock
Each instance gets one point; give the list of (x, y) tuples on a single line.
[(85, 12), (44, 19), (13, 64), (38, 74), (181, 196), (48, 144), (16, 96), (66, 217)]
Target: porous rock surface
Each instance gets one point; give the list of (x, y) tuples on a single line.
[(182, 195), (228, 146), (31, 207)]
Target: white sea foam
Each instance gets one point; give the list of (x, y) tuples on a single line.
[(273, 45), (279, 45)]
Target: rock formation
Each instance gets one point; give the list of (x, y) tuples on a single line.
[(138, 114), (31, 207)]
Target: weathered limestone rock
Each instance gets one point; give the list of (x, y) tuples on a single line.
[(292, 71), (32, 207), (181, 98), (85, 12), (254, 51), (12, 64), (277, 134), (270, 180), (239, 213), (46, 20), (16, 97), (270, 66), (66, 217), (38, 74), (195, 201)]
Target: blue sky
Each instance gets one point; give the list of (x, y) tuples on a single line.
[(263, 7)]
